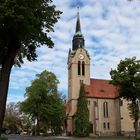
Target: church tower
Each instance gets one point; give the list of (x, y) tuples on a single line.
[(78, 71)]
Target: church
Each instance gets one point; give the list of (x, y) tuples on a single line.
[(108, 114)]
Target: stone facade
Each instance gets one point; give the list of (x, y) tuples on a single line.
[(74, 80), (104, 124)]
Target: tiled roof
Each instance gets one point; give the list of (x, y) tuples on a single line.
[(101, 89)]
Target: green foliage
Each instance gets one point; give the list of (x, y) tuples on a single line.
[(40, 92), (44, 103), (57, 109), (134, 110), (134, 113), (127, 77), (82, 124), (26, 124), (12, 119), (24, 26)]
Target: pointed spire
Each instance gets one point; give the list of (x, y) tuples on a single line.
[(78, 38), (78, 26)]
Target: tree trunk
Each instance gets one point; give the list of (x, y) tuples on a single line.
[(4, 83)]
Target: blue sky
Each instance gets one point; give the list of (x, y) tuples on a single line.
[(111, 29)]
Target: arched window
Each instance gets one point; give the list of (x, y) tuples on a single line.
[(104, 125), (83, 68), (79, 68), (108, 125), (105, 109)]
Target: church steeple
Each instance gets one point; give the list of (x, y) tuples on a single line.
[(78, 39), (78, 26)]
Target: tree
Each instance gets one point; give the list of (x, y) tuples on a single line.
[(12, 120), (127, 79), (24, 26), (82, 124), (43, 102), (134, 114)]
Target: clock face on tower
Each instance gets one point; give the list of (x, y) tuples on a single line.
[(81, 56)]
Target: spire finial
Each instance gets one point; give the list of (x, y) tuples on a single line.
[(78, 27)]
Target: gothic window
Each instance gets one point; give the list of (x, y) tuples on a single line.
[(105, 109), (79, 68), (108, 125), (104, 125), (95, 103), (83, 68), (91, 128)]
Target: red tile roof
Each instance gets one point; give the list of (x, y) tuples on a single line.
[(101, 89)]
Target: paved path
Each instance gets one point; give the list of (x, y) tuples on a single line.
[(18, 137)]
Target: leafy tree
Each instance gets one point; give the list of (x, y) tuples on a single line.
[(12, 119), (127, 78), (82, 124), (43, 103), (24, 26)]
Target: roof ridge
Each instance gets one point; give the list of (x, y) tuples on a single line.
[(100, 79)]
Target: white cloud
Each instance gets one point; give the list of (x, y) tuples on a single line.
[(111, 31)]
